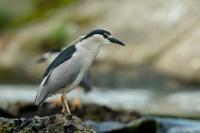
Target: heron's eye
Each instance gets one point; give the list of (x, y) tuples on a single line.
[(105, 36)]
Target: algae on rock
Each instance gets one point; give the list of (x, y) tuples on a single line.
[(54, 123)]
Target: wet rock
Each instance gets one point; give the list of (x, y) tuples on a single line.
[(54, 123), (85, 112), (107, 120), (138, 126), (143, 125), (4, 113)]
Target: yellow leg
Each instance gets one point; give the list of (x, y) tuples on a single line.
[(76, 103), (65, 106)]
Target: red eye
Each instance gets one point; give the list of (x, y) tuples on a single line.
[(105, 36)]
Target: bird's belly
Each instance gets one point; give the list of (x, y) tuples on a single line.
[(83, 69)]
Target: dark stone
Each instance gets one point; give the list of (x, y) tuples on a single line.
[(69, 117), (54, 123), (6, 114), (69, 128)]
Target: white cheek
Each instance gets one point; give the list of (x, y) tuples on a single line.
[(107, 42)]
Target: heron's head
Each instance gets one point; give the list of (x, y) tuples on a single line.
[(101, 37)]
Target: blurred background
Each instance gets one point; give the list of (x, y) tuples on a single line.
[(157, 73)]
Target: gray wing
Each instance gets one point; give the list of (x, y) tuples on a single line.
[(60, 73), (63, 56), (57, 79)]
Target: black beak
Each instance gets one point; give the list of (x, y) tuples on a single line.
[(114, 40)]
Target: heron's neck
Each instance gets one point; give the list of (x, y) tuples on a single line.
[(91, 45)]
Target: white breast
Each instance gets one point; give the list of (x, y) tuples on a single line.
[(85, 57)]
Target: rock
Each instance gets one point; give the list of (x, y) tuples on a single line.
[(5, 113), (54, 123), (67, 124), (143, 125)]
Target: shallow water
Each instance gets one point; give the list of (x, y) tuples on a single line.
[(146, 101)]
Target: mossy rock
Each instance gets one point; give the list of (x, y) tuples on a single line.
[(6, 128), (54, 123)]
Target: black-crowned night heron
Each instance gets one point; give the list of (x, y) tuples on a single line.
[(70, 65), (85, 84), (49, 56)]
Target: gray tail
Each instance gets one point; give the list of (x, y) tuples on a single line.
[(41, 96), (38, 101)]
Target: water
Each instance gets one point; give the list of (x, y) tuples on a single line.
[(146, 101)]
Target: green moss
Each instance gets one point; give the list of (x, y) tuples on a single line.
[(42, 9), (5, 18), (58, 36), (83, 20), (50, 4), (14, 75), (55, 40), (6, 74), (26, 130), (6, 128)]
